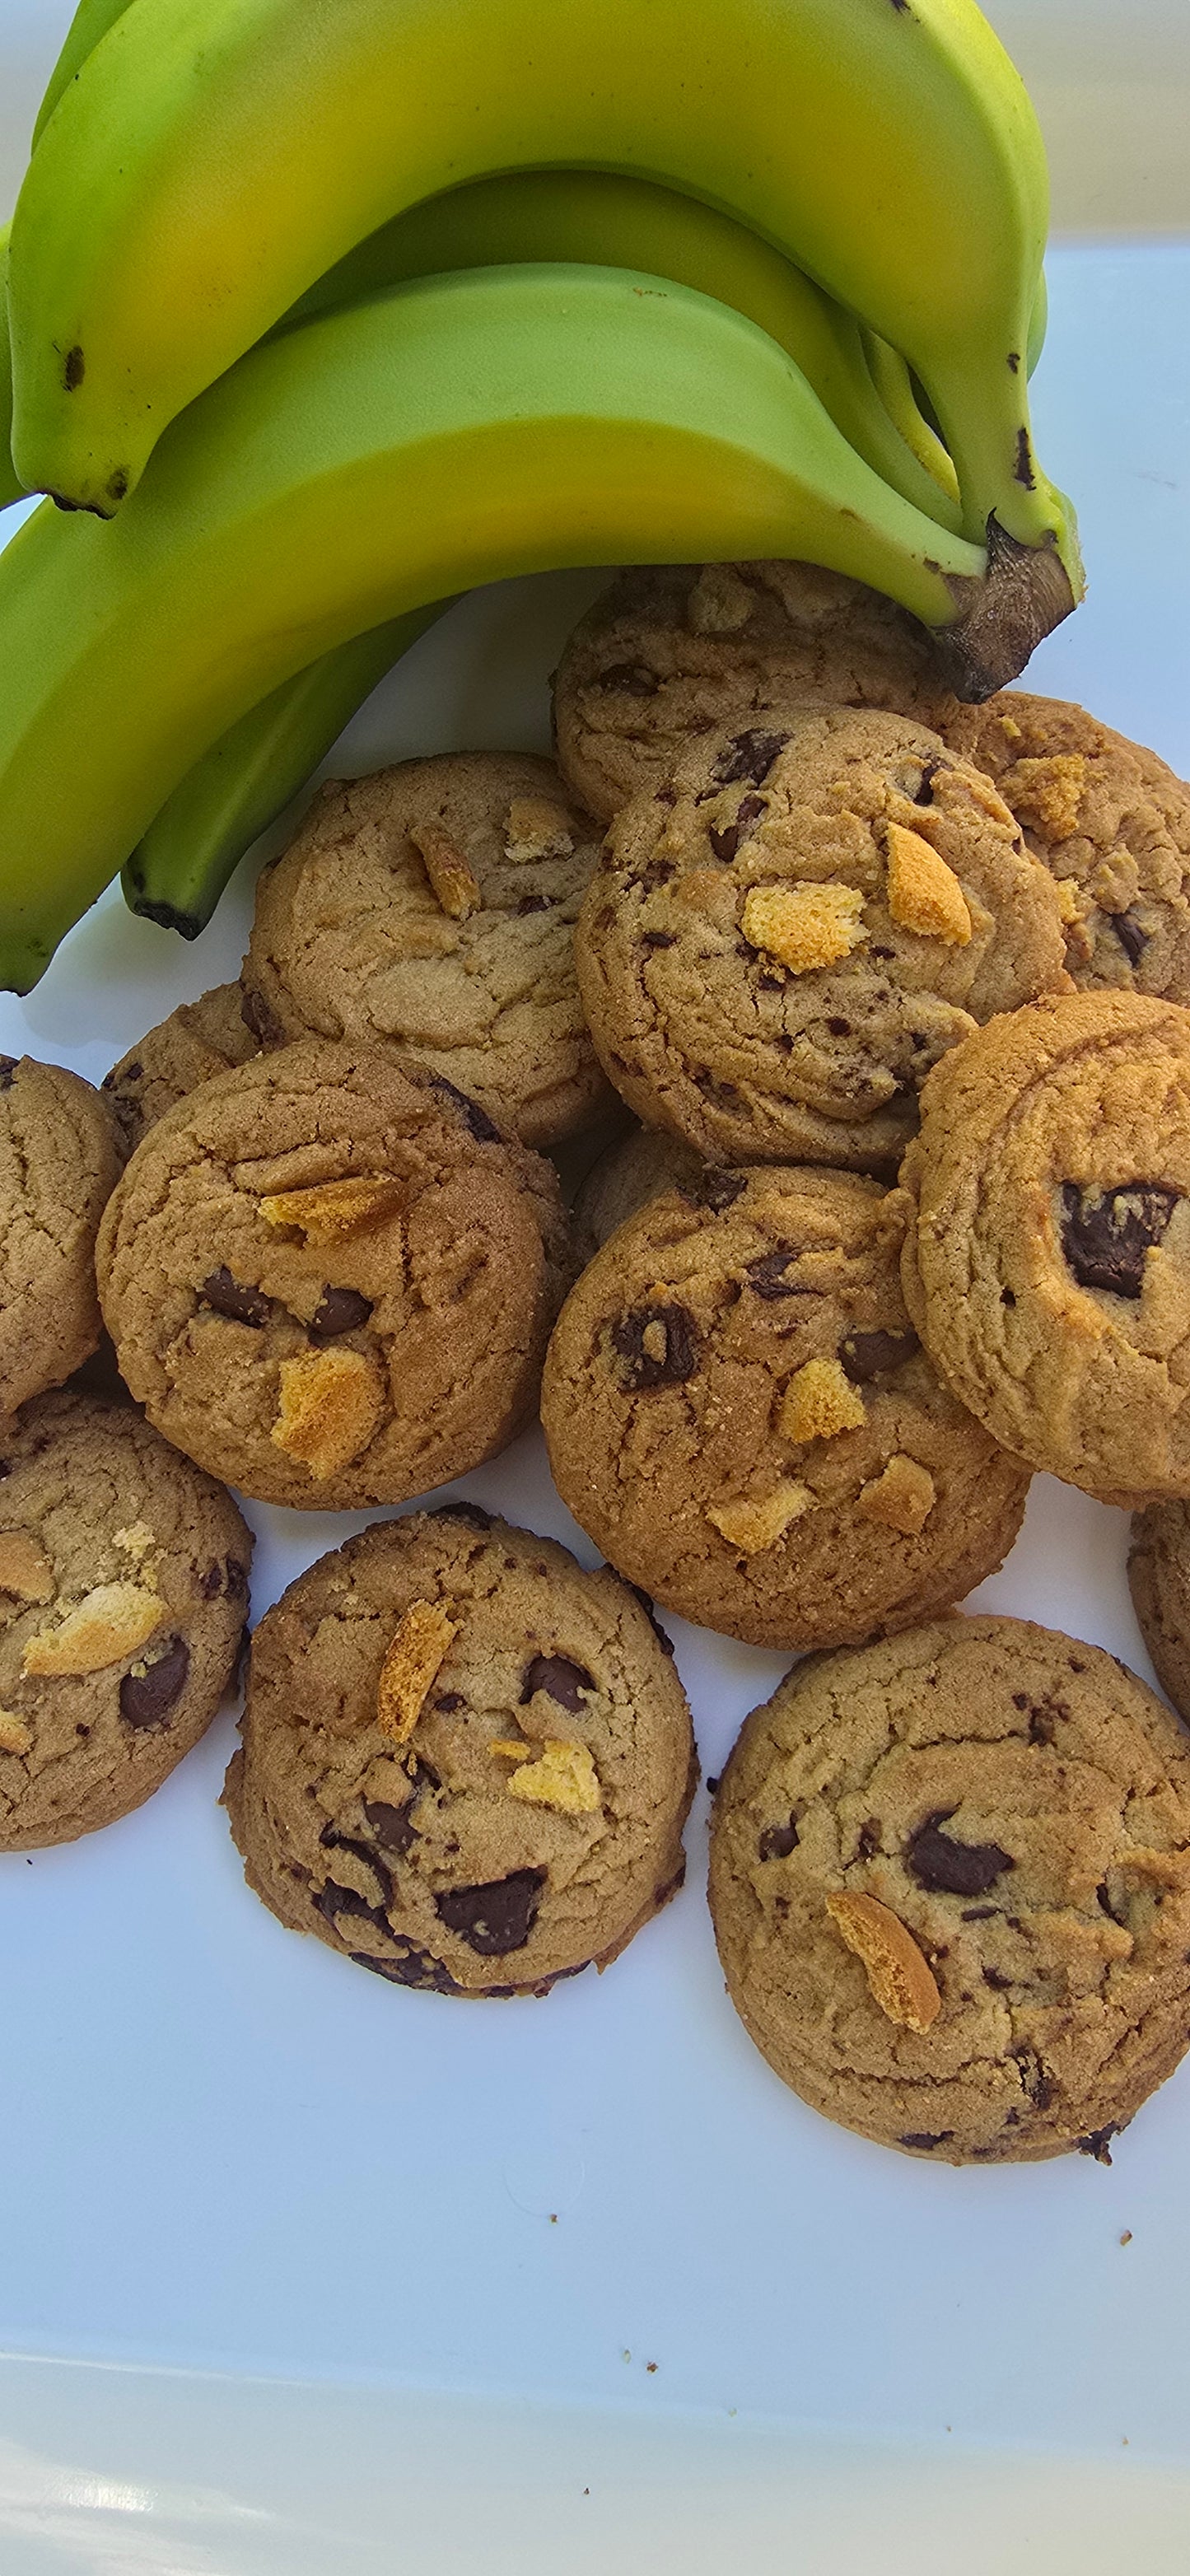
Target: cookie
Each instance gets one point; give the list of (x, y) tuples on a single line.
[(198, 1040), (1047, 1256), (466, 1762), (779, 944), (430, 910), (123, 1596), (1111, 823), (635, 1169), (950, 1881), (330, 1279), (1159, 1580), (676, 650), (59, 1162), (738, 1412)]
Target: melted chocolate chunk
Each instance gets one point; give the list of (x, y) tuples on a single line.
[(839, 1028), (410, 1967), (8, 1067), (560, 1680), (473, 1513), (659, 939), (1132, 938), (483, 1128), (716, 1190), (333, 1840), (980, 1913), (633, 677), (256, 1016), (146, 1698), (924, 2139), (333, 1900), (1036, 2079), (725, 838), (393, 1827), (533, 903), (867, 1355), (1106, 1233), (449, 1701), (1043, 1720), (777, 1841), (1097, 2143), (923, 793), (342, 1310), (948, 1868), (240, 1305), (750, 756), (673, 1328), (993, 1978), (497, 1918), (767, 1274)]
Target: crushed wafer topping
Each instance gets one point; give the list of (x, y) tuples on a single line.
[(16, 1735), (902, 1498), (1067, 890), (1049, 792), (110, 1623), (332, 1210), (448, 868), (25, 1569), (754, 1526), (412, 1662), (720, 603), (819, 1402), (923, 893), (563, 1776), (804, 926), (331, 1403), (537, 828), (901, 1979)]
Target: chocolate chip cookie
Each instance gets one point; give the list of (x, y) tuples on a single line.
[(330, 1279), (123, 1596), (198, 1040), (778, 945), (1047, 1258), (675, 650), (738, 1411), (950, 1879), (1111, 823), (633, 1170), (466, 1762), (1159, 1580), (59, 1162), (430, 910)]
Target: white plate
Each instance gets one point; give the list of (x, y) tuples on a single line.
[(226, 2152)]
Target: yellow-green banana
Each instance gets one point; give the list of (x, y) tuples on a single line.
[(376, 460), (10, 489), (211, 158)]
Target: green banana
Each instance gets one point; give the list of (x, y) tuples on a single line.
[(10, 489), (893, 380), (180, 867), (892, 153), (452, 432)]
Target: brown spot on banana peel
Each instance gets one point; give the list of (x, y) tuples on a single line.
[(1025, 592), (1014, 361), (1023, 469)]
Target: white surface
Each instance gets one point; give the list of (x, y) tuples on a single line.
[(225, 2149)]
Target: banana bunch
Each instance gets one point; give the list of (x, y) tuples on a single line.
[(763, 278)]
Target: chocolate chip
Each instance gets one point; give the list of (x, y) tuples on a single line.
[(393, 1827), (1097, 2143), (632, 677), (1132, 937), (473, 1513), (496, 1918), (1106, 1233), (410, 1967), (533, 903), (1043, 1720), (716, 1190), (145, 1698), (675, 1355), (333, 1900), (777, 1841), (725, 838), (342, 1310), (659, 939), (8, 1066), (767, 1274), (1036, 2079), (869, 1838), (333, 1840), (449, 1701), (868, 1355), (924, 2139), (212, 1583), (257, 1017), (839, 1028), (666, 795), (923, 793), (773, 984), (560, 1680), (483, 1128), (950, 1868), (751, 756), (993, 1978), (235, 1579), (240, 1305)]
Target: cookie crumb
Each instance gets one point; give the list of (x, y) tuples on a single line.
[(537, 829), (113, 1621), (331, 1403), (720, 603), (16, 1735), (1126, 2238), (804, 926), (563, 1777), (901, 1980), (1049, 792), (819, 1402), (332, 1210), (414, 1659), (1069, 907), (923, 893), (448, 868), (25, 1569), (902, 1498), (753, 1526)]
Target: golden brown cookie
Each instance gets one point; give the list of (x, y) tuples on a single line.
[(778, 945), (950, 1879), (198, 1040), (633, 1170), (123, 1596), (430, 910), (466, 1763), (330, 1279), (675, 650), (1047, 1261), (1159, 1580), (59, 1162), (738, 1412)]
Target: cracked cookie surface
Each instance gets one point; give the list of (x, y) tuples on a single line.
[(672, 651), (59, 1162), (430, 910), (777, 946), (1010, 1810), (330, 1279), (466, 1762), (1047, 1257), (738, 1411), (198, 1040), (123, 1596)]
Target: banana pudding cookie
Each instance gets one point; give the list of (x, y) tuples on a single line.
[(1111, 823), (430, 910), (777, 946), (198, 1040), (330, 1279), (674, 650), (950, 1881), (1047, 1257), (466, 1762), (59, 1163), (738, 1412), (123, 1596)]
